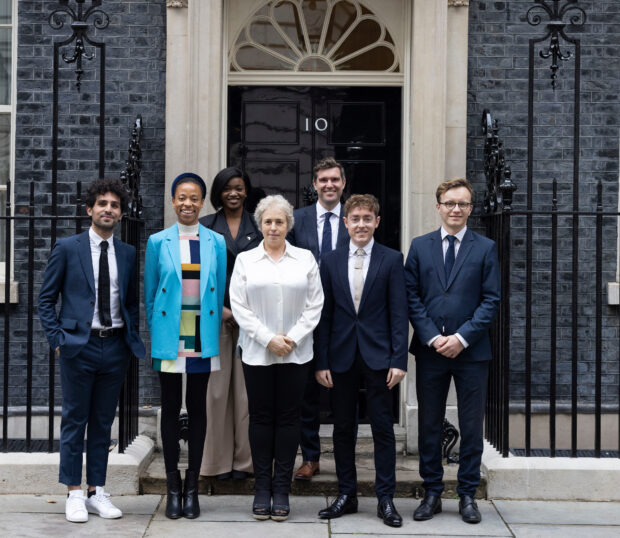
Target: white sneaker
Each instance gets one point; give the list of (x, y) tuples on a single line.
[(75, 508), (100, 504)]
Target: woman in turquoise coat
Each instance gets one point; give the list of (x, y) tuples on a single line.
[(184, 284)]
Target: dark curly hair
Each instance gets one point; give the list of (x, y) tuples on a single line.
[(101, 186)]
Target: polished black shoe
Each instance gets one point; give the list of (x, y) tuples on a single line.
[(174, 506), (240, 475), (387, 512), (343, 504), (191, 507), (469, 510), (224, 476), (430, 505)]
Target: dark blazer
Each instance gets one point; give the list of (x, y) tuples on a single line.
[(304, 233), (379, 329), (69, 272), (467, 304), (248, 237)]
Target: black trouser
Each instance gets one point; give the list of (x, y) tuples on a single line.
[(275, 393), (344, 408), (196, 405)]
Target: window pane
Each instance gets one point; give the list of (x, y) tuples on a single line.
[(5, 148), (5, 11), (5, 66)]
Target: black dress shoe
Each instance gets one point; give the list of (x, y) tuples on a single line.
[(387, 512), (191, 506), (224, 476), (344, 504), (430, 505), (240, 475), (174, 504), (469, 510)]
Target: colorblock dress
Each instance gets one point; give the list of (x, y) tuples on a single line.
[(189, 360)]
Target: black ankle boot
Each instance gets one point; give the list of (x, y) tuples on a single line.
[(174, 508), (191, 508)]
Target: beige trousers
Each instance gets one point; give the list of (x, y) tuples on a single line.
[(227, 446)]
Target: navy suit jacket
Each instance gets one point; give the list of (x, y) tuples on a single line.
[(304, 233), (379, 329), (69, 272), (467, 304)]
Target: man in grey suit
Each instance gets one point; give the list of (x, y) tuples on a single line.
[(320, 229)]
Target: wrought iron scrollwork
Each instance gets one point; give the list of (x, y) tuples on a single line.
[(559, 17), (81, 20), (133, 170), (500, 187), (449, 437), (309, 195)]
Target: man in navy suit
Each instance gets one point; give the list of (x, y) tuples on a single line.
[(93, 336), (319, 229), (453, 289), (363, 335)]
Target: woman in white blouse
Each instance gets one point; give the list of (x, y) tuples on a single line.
[(276, 298)]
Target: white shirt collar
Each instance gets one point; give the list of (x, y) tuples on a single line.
[(459, 235), (320, 210), (96, 238), (289, 250), (367, 248)]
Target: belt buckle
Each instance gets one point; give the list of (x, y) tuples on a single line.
[(103, 333)]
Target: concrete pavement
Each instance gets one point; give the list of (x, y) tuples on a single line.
[(228, 516)]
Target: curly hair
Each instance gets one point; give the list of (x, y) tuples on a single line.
[(101, 186)]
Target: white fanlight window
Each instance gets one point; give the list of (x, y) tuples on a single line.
[(314, 36)]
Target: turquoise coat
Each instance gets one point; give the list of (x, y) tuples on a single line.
[(163, 291)]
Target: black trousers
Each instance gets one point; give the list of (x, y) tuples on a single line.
[(196, 405), (275, 393), (344, 409)]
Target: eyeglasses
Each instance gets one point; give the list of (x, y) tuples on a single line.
[(452, 205)]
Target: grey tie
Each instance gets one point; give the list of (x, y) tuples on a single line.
[(358, 277)]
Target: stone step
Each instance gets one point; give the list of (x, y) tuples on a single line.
[(408, 482)]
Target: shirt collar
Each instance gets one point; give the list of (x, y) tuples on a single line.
[(260, 252), (97, 239), (459, 235), (320, 210), (367, 248)]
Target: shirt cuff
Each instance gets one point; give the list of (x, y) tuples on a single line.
[(264, 336), (430, 342), (463, 341)]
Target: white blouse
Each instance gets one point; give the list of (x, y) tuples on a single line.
[(270, 297)]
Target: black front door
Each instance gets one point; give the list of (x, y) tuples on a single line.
[(276, 134)]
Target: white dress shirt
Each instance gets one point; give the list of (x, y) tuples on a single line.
[(334, 220), (115, 300), (366, 262), (270, 297), (457, 245)]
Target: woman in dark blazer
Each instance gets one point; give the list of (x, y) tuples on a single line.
[(227, 447), (184, 282)]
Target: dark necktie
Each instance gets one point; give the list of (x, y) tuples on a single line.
[(326, 242), (449, 262), (104, 287)]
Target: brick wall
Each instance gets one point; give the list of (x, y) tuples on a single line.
[(498, 80), (135, 84)]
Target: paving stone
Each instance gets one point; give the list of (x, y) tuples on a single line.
[(256, 529), (448, 523), (559, 512), (238, 508), (27, 525), (55, 504), (564, 531)]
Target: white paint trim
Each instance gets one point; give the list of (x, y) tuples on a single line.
[(339, 78)]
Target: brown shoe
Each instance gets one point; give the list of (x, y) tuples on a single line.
[(307, 470)]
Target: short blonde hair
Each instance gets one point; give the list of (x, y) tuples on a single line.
[(275, 201), (367, 201)]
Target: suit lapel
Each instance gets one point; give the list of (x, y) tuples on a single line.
[(172, 241), (343, 271), (343, 234), (437, 254), (86, 258), (376, 257), (464, 250), (247, 232), (207, 252), (120, 268), (311, 230)]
